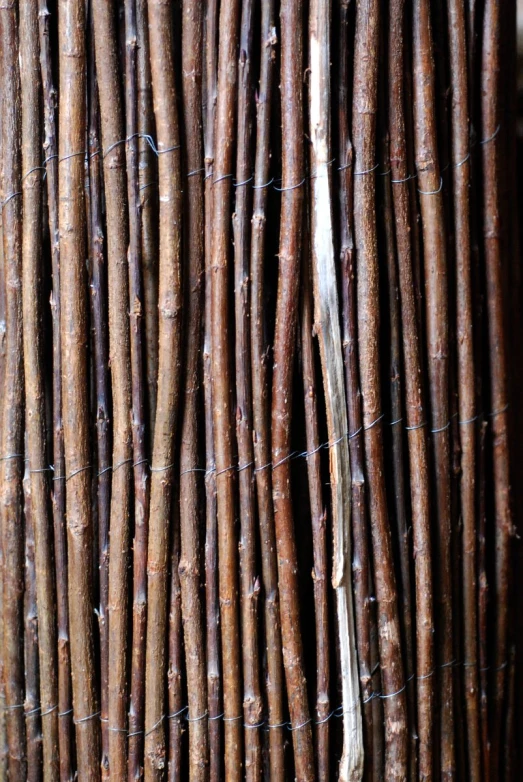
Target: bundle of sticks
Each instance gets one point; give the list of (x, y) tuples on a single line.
[(261, 368)]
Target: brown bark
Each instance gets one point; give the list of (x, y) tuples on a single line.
[(13, 395), (490, 117), (466, 374), (214, 684), (261, 394), (112, 126), (74, 380), (191, 484), (364, 140), (138, 423), (148, 174), (164, 94), (176, 714), (319, 525), (435, 268), (291, 19), (415, 406), (50, 148), (34, 383), (221, 383), (249, 584), (32, 673)]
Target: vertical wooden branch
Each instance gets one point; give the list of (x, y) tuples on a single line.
[(291, 18), (140, 463), (214, 684), (164, 94), (361, 578), (176, 713), (435, 267), (220, 372), (249, 585), (261, 392), (319, 525), (34, 382), (190, 479), (113, 154), (490, 117), (74, 379), (364, 140), (50, 147), (32, 672), (100, 359), (13, 395), (466, 372), (149, 225), (415, 408), (327, 319)]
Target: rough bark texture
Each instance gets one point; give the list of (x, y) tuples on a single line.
[(74, 381)]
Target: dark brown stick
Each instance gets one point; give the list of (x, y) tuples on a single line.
[(32, 709), (50, 148), (4, 749), (364, 140), (327, 318), (466, 373), (176, 713), (214, 684), (261, 394), (435, 268), (164, 92), (291, 19), (113, 154), (34, 383), (221, 383), (190, 479), (100, 358), (74, 380), (249, 584), (149, 233), (140, 465), (360, 535), (13, 394), (319, 525), (401, 530), (415, 408), (490, 117)]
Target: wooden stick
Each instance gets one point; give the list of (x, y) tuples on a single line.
[(361, 578), (319, 523), (149, 236), (249, 584), (100, 358), (137, 310), (32, 673), (34, 383), (261, 393), (13, 394), (415, 405), (364, 135), (74, 380), (327, 319), (466, 372), (221, 383), (291, 18), (164, 93), (176, 713), (50, 147), (214, 683), (401, 530), (490, 116), (113, 153), (435, 267), (190, 479), (4, 750)]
